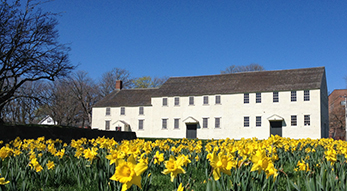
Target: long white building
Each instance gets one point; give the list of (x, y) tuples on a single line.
[(289, 103)]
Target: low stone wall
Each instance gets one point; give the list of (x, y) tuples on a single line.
[(9, 133)]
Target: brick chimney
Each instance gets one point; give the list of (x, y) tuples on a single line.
[(119, 84)]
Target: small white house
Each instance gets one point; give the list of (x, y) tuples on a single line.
[(48, 120), (289, 103)]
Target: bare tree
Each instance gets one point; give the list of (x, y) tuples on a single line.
[(29, 50), (148, 82), (337, 123), (24, 109), (248, 68), (85, 92), (108, 81)]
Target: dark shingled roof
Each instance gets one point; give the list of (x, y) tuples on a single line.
[(127, 97), (261, 81)]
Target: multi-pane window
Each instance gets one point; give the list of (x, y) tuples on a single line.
[(307, 120), (293, 96), (204, 122), (141, 124), (217, 122), (164, 123), (164, 101), (141, 110), (246, 98), (275, 97), (107, 125), (205, 98), (108, 111), (258, 121), (217, 99), (177, 101), (191, 100), (246, 121), (293, 120), (306, 95), (258, 98), (122, 110), (176, 123)]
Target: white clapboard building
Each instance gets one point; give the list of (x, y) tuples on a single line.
[(289, 103)]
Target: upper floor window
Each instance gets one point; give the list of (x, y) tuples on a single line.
[(107, 125), (218, 99), (191, 100), (176, 123), (177, 101), (246, 98), (258, 98), (122, 110), (204, 122), (108, 111), (258, 121), (307, 120), (306, 95), (164, 101), (205, 98), (164, 123), (293, 96), (141, 112), (141, 124), (275, 97), (217, 122), (293, 120)]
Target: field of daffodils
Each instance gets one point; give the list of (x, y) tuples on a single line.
[(185, 164)]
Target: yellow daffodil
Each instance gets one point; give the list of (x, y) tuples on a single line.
[(220, 163), (174, 167), (3, 182), (158, 157), (129, 173), (35, 165), (180, 187), (50, 165)]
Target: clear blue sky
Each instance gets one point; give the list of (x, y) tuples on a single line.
[(188, 38)]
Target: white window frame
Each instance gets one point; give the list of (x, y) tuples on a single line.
[(258, 121), (293, 96), (108, 111), (258, 97), (294, 120), (164, 123), (276, 97), (141, 110), (306, 95), (165, 101), (246, 123), (141, 124), (217, 122), (176, 123), (307, 120), (191, 100), (218, 99), (122, 111), (177, 101), (107, 125), (205, 100), (205, 123), (246, 98)]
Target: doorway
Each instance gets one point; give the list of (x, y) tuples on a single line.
[(276, 128), (191, 131)]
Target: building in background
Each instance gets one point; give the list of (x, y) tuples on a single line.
[(337, 119), (48, 120), (289, 103)]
